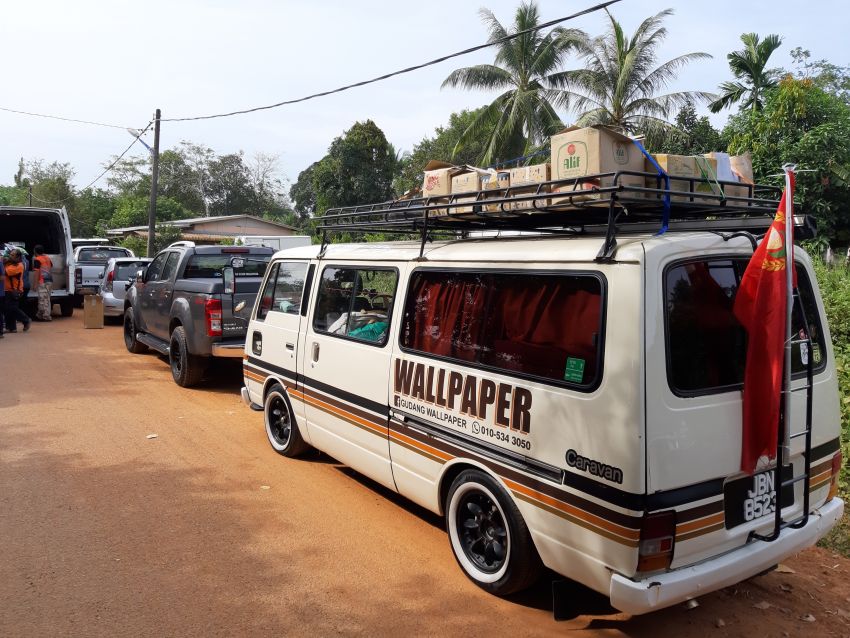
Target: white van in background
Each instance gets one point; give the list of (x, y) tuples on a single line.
[(29, 227)]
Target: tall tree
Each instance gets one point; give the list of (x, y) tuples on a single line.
[(621, 80), (830, 77), (302, 193), (752, 77), (690, 135), (358, 169), (523, 114), (805, 125)]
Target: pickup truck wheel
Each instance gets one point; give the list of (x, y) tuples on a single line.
[(130, 340), (187, 369), (66, 306), (281, 427), (488, 536)]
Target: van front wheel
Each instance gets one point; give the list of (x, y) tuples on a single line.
[(281, 427), (489, 538)]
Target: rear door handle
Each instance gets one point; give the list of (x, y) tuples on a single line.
[(290, 346), (315, 352)]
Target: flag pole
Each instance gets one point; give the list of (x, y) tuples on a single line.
[(789, 309)]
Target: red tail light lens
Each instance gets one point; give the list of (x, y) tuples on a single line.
[(657, 538), (836, 472), (109, 277), (212, 310), (78, 276)]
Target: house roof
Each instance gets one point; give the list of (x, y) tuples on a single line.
[(194, 221)]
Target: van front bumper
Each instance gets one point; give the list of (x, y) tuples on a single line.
[(663, 590)]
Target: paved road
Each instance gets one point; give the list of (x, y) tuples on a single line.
[(205, 531)]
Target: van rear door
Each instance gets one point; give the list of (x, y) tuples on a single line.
[(696, 353)]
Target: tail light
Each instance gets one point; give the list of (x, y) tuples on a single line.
[(212, 310), (78, 276), (836, 472), (657, 535), (109, 277)]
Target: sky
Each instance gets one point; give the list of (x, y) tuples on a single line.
[(117, 61)]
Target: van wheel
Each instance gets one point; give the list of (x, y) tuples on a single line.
[(281, 427), (186, 368), (489, 538), (66, 307), (130, 341)]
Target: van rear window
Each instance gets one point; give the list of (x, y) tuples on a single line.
[(210, 266), (539, 325), (706, 346)]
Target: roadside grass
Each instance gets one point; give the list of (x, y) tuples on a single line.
[(834, 282)]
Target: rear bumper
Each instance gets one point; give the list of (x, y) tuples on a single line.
[(663, 590), (246, 399), (112, 307), (228, 349)]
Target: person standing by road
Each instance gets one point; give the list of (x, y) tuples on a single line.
[(43, 266), (2, 297), (14, 284)]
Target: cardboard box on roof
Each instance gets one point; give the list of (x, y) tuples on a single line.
[(498, 182), (734, 168), (438, 182), (529, 177), (579, 152), (467, 180), (689, 167)]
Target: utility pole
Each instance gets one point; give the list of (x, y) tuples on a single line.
[(154, 180)]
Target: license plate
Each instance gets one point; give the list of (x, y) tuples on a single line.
[(753, 497)]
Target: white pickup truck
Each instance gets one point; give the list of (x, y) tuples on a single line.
[(90, 262)]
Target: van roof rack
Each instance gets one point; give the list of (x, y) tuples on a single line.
[(579, 207)]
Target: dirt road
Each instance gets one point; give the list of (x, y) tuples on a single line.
[(205, 531)]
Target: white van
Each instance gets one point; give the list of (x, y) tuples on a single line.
[(561, 405), (29, 227)]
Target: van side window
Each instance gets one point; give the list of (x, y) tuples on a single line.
[(289, 287), (267, 295), (543, 325), (706, 346), (355, 303)]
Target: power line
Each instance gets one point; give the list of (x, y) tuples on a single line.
[(513, 36), (59, 117)]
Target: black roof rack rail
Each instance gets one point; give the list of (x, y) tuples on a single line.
[(602, 203)]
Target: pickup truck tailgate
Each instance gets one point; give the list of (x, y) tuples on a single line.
[(235, 322)]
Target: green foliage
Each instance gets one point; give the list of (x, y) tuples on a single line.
[(132, 210), (753, 78), (138, 245), (834, 283), (302, 193), (691, 135), (832, 78), (13, 196), (442, 146), (803, 124), (620, 81), (523, 115), (358, 169)]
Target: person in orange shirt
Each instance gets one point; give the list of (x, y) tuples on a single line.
[(14, 288), (43, 265)]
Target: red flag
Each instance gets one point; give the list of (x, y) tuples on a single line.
[(760, 306)]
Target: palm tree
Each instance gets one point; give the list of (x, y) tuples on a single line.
[(620, 82), (748, 66), (523, 115)]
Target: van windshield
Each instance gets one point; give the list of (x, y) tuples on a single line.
[(706, 346)]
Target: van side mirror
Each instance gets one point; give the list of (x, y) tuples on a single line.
[(229, 277)]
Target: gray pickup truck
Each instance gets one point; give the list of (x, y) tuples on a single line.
[(182, 307)]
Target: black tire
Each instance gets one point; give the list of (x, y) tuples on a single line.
[(66, 306), (130, 341), (488, 536), (281, 426), (186, 368)]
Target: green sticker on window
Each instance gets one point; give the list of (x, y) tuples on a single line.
[(575, 370)]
